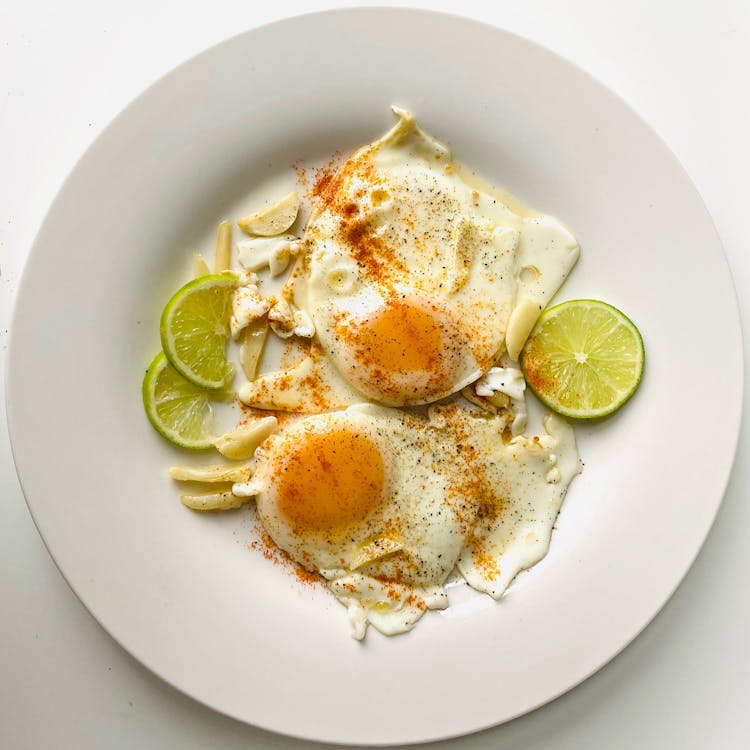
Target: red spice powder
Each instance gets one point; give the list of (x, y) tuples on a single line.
[(323, 176), (301, 172), (536, 370), (266, 547)]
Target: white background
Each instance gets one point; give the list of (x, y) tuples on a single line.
[(67, 68)]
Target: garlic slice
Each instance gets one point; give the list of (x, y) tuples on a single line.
[(215, 473), (212, 501), (242, 441), (274, 219)]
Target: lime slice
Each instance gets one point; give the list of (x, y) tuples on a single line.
[(274, 219), (584, 358), (195, 328), (175, 407)]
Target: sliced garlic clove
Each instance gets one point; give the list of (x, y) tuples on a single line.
[(274, 219), (242, 441), (222, 257), (212, 501), (520, 323), (215, 473), (251, 350)]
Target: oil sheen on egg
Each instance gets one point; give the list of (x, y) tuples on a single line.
[(383, 503), (415, 279)]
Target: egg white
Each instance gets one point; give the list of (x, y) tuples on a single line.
[(530, 476)]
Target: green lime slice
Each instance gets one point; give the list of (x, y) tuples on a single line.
[(584, 358), (176, 408), (195, 328)]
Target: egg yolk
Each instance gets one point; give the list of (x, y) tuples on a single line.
[(330, 481), (403, 353), (401, 338)]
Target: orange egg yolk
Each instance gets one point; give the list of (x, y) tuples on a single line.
[(406, 352), (330, 481), (401, 338)]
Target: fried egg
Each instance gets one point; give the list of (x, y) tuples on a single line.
[(363, 497), (415, 280), (383, 503)]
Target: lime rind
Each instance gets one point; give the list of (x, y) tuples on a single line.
[(177, 409), (613, 366), (194, 329)]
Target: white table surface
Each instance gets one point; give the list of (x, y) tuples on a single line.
[(67, 68)]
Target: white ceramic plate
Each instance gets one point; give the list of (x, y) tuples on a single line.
[(182, 592)]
